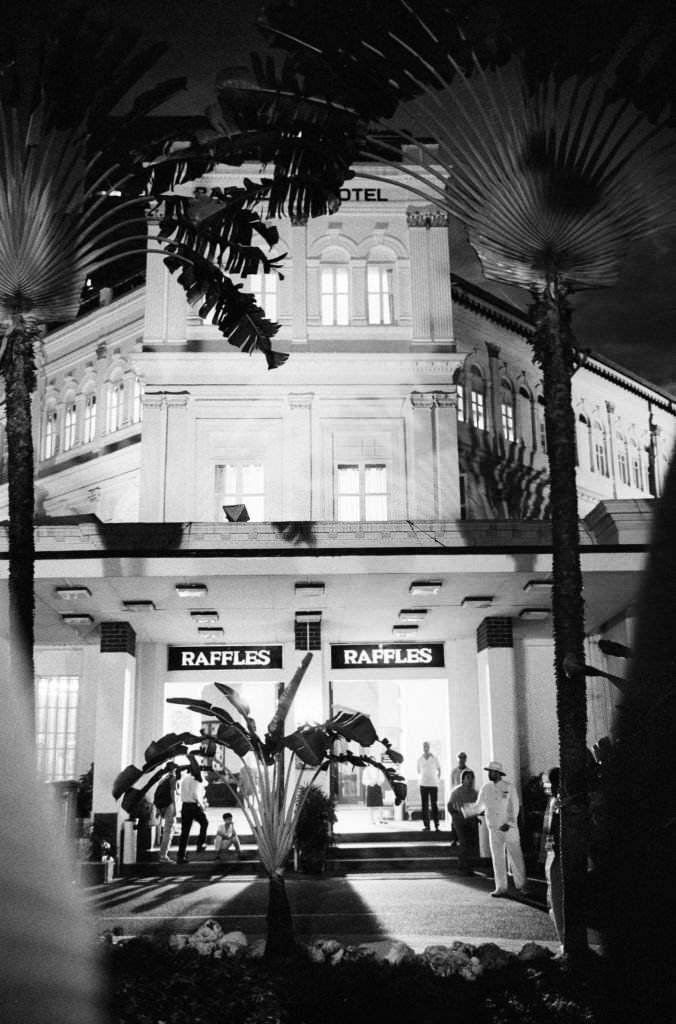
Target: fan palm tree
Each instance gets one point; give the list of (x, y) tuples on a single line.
[(553, 182), (276, 792), (75, 185)]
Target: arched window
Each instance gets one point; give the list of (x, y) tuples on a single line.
[(622, 459), (636, 464), (334, 286), (380, 286), (137, 400), (584, 453), (89, 416), (264, 288), (69, 425), (115, 408), (507, 410), (600, 449), (542, 425), (459, 381), (49, 431), (477, 399)]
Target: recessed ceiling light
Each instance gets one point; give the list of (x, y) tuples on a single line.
[(77, 620), (139, 606), (191, 589), (211, 633), (534, 613), (412, 614), (425, 587), (404, 632), (71, 593), (478, 601), (538, 585), (204, 618), (309, 589), (308, 616)]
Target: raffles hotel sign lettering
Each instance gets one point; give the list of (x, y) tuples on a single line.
[(249, 656), (387, 656)]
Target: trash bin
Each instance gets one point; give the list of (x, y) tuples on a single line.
[(128, 842)]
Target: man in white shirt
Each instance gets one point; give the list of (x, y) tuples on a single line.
[(429, 773), (500, 802), (191, 810)]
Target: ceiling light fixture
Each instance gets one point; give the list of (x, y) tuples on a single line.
[(534, 614), (204, 618), (308, 616), (538, 585), (309, 589), (77, 620), (191, 589), (139, 606), (425, 587), (72, 593), (405, 632), (211, 632), (412, 614), (477, 601)]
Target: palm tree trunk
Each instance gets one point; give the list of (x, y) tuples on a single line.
[(280, 941), (553, 343), (18, 369)]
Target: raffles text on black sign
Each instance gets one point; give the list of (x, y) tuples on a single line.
[(250, 656), (387, 655)]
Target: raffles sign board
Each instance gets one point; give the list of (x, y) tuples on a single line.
[(387, 656), (247, 656)]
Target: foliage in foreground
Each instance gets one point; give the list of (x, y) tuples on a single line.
[(151, 984)]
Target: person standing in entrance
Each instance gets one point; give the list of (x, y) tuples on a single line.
[(499, 799), (192, 810), (465, 829), (462, 766), (429, 773)]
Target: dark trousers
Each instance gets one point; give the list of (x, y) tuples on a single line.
[(428, 795), (190, 813), (467, 838)]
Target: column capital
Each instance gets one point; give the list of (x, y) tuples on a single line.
[(493, 350), (426, 217), (300, 401), (422, 400), (177, 398), (445, 399)]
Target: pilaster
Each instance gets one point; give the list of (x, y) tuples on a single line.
[(432, 307)]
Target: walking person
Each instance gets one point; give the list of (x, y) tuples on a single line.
[(500, 802), (165, 802), (465, 829), (429, 773), (191, 810), (551, 853)]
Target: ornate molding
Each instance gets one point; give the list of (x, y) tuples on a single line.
[(426, 217), (446, 399), (301, 401), (422, 399)]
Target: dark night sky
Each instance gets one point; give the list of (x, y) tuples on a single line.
[(633, 323)]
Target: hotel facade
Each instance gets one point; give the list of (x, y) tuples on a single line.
[(394, 474)]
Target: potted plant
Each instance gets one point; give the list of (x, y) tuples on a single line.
[(314, 830)]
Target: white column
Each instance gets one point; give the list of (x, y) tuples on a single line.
[(179, 472), (166, 304), (445, 420), (113, 732), (296, 471), (432, 305), (421, 469), (153, 458), (497, 696)]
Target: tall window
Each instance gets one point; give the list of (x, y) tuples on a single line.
[(241, 484), (115, 405), (600, 450), (335, 295), (622, 459), (459, 382), (264, 288), (137, 401), (584, 452), (507, 410), (524, 417), (636, 465), (69, 426), (542, 425), (56, 715), (379, 293), (49, 440), (89, 418), (361, 491)]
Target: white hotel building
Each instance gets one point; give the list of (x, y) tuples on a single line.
[(395, 474)]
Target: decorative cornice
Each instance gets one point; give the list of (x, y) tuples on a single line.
[(426, 217), (422, 399), (300, 401)]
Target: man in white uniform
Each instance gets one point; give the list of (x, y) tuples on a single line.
[(429, 773), (500, 802)]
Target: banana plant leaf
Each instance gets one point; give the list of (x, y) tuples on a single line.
[(125, 780), (203, 707), (393, 754), (237, 703), (131, 801), (353, 726), (274, 738), (232, 735), (311, 744), (208, 746), (166, 747)]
